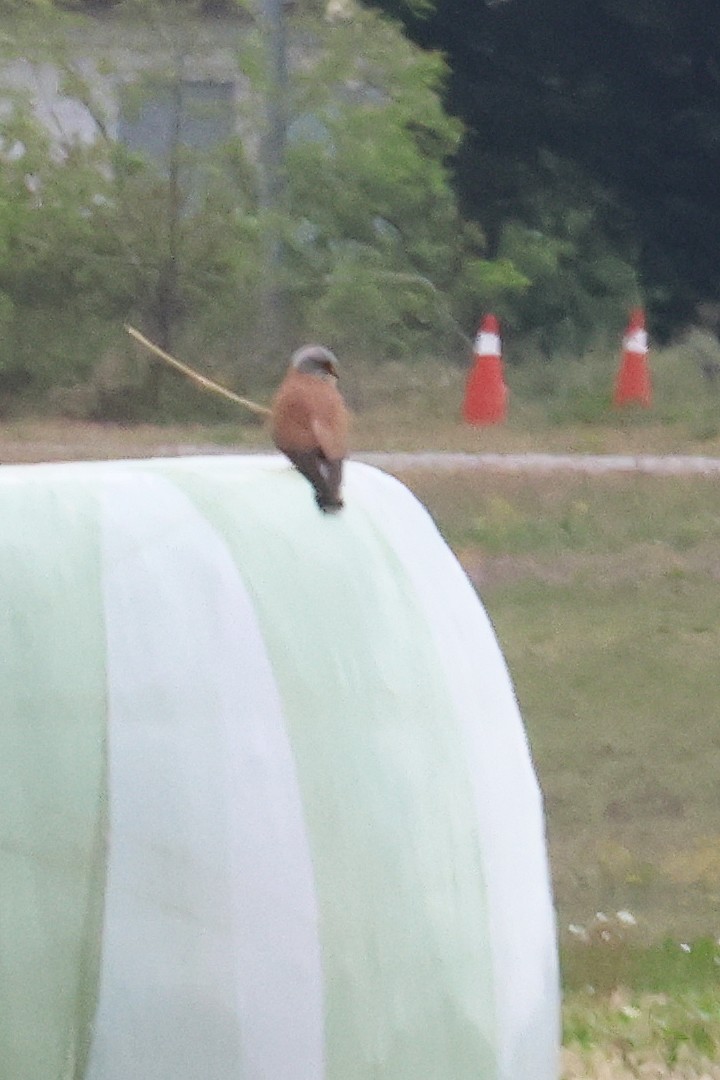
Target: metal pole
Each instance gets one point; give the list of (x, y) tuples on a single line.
[(276, 136), (274, 184)]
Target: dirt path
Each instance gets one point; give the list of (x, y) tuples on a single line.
[(97, 443), (665, 465)]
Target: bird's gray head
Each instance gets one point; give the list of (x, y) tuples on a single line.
[(315, 360)]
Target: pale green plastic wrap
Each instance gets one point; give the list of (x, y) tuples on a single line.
[(267, 810)]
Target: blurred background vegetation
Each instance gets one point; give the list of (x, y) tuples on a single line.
[(411, 193)]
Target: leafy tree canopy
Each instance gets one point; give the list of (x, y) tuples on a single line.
[(376, 256), (628, 90)]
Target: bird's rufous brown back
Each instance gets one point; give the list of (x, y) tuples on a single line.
[(309, 413)]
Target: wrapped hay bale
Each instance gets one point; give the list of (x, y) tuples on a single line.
[(268, 810)]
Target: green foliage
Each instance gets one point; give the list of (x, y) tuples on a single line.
[(373, 253), (360, 310), (626, 90), (53, 251), (381, 251), (370, 248), (582, 279), (91, 235), (593, 173)]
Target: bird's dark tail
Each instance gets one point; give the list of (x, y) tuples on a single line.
[(325, 477), (332, 471)]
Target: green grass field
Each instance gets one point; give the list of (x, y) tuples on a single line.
[(605, 594)]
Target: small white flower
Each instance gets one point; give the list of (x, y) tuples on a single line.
[(577, 931), (630, 1012), (626, 917), (339, 10), (685, 947), (601, 916)]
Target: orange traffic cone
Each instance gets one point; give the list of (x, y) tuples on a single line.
[(486, 393), (633, 381)]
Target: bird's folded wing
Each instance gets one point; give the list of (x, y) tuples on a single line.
[(331, 438)]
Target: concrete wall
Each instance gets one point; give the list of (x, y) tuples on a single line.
[(105, 57)]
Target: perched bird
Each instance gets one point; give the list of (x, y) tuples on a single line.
[(309, 422)]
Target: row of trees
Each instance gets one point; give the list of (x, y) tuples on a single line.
[(372, 251), (610, 105), (376, 258)]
